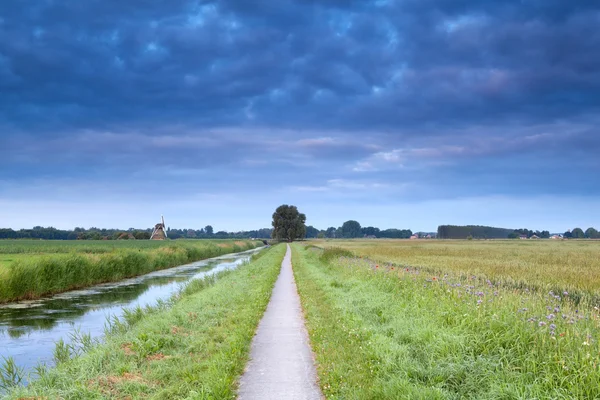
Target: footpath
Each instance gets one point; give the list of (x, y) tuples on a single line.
[(281, 361)]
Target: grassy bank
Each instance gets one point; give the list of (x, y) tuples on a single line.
[(34, 269), (195, 349), (383, 332)]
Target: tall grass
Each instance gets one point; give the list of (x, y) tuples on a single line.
[(36, 276), (195, 346), (383, 332), (546, 265)]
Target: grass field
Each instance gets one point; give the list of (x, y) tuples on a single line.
[(382, 328), (32, 269), (195, 348), (572, 265)]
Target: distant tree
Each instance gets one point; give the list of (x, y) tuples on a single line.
[(592, 233), (288, 223), (311, 232), (577, 233), (330, 232), (141, 235), (370, 231), (351, 229), (321, 235), (208, 230), (513, 235)]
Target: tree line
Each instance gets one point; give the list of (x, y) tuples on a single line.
[(489, 232), (51, 233), (289, 224)]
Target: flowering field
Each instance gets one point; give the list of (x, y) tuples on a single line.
[(383, 328)]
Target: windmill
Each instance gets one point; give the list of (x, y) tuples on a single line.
[(160, 231)]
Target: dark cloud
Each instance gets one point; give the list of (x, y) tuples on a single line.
[(301, 64), (417, 98)]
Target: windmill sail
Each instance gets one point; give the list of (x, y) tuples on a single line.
[(159, 232)]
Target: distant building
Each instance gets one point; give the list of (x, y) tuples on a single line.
[(534, 237), (522, 236), (414, 237)]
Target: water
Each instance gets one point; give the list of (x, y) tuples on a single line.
[(30, 329)]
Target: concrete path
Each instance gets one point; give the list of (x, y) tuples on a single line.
[(281, 362)]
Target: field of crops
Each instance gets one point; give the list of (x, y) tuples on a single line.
[(453, 319), (572, 265), (33, 268)]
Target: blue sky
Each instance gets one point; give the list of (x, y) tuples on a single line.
[(405, 114)]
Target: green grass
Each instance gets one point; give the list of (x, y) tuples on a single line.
[(383, 332), (195, 348), (34, 269)]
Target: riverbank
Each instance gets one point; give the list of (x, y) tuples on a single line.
[(32, 270), (196, 347)]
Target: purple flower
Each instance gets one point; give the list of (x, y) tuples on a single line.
[(550, 316), (542, 323), (479, 302), (552, 327), (479, 294), (556, 309), (565, 293)]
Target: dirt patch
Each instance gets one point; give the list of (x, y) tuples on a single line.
[(126, 347), (192, 316), (177, 330), (33, 398), (157, 357), (108, 385)]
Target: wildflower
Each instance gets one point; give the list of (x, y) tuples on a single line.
[(377, 266), (479, 302), (480, 294), (550, 317), (562, 334), (556, 309), (552, 327), (541, 323), (565, 293), (586, 343), (434, 278)]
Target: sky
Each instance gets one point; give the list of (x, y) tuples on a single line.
[(397, 114)]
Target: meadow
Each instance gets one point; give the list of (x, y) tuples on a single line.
[(31, 269), (194, 346), (447, 320), (571, 265)]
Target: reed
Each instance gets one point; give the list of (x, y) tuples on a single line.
[(34, 276)]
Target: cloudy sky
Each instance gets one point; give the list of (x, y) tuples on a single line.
[(406, 114)]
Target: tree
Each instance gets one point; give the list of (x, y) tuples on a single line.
[(577, 233), (592, 233), (288, 223), (209, 230), (311, 232), (351, 229)]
